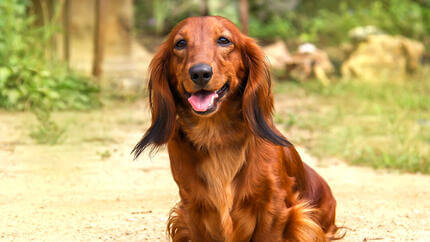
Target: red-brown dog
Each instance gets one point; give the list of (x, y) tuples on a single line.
[(239, 179)]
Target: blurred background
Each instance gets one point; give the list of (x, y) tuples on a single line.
[(351, 83)]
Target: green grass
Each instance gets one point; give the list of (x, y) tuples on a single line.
[(384, 125)]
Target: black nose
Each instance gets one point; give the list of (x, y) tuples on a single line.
[(200, 74)]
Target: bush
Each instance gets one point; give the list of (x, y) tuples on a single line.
[(403, 17), (324, 21), (267, 31), (29, 79), (160, 16), (328, 22)]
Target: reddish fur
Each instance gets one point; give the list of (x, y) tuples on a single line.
[(239, 179)]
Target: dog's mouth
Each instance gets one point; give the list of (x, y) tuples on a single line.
[(205, 102)]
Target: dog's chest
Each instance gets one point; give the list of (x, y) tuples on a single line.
[(219, 171), (215, 132)]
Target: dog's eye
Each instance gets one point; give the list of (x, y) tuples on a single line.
[(223, 41), (180, 44)]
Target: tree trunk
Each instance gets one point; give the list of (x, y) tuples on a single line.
[(243, 9), (204, 8), (99, 38), (66, 31)]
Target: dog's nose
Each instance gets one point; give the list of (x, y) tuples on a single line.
[(200, 74)]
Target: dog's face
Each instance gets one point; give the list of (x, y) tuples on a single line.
[(206, 63)]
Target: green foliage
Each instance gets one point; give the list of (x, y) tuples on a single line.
[(404, 17), (47, 132), (104, 154), (28, 78), (268, 31), (159, 17), (384, 125), (326, 22)]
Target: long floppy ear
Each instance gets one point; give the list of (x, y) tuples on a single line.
[(161, 102), (257, 102)]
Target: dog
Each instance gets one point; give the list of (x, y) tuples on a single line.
[(239, 178)]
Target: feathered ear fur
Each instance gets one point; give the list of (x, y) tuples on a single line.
[(257, 102), (161, 101)]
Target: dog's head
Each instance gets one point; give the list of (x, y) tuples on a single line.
[(203, 63)]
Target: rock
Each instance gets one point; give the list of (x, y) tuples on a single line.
[(309, 62), (307, 48), (339, 54), (383, 57), (277, 54), (414, 51), (361, 33)]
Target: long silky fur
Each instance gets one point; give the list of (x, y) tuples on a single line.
[(158, 133), (162, 104), (262, 128), (257, 98), (176, 227), (302, 224)]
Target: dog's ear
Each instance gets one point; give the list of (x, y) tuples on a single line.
[(257, 102), (161, 103)]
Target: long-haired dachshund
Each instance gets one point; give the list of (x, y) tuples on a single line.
[(239, 179)]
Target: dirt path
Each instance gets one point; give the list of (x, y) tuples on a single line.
[(88, 188)]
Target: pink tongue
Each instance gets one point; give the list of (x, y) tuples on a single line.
[(201, 102)]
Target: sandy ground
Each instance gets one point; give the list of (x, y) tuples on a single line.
[(90, 189)]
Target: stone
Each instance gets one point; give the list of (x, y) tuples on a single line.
[(309, 62), (277, 55), (362, 32), (383, 57)]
